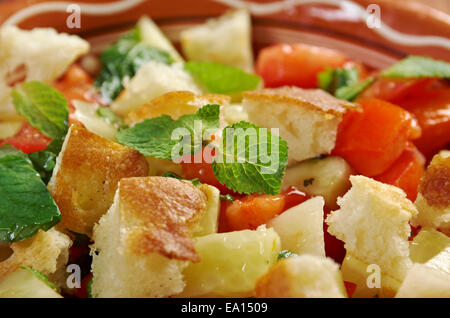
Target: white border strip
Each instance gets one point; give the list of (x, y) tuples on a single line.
[(61, 6)]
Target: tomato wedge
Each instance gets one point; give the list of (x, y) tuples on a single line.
[(295, 64), (406, 171), (251, 211), (431, 107), (373, 139), (28, 139)]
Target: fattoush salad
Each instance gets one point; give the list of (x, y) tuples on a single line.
[(218, 171)]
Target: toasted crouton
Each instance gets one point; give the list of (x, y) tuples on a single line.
[(39, 54), (306, 118), (86, 175), (433, 199), (144, 241), (225, 40), (151, 35), (152, 80), (303, 276), (175, 104), (46, 252), (373, 222)]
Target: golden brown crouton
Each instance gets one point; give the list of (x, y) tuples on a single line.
[(86, 175), (433, 199), (304, 276), (157, 213), (306, 118), (174, 104), (144, 241), (46, 252)]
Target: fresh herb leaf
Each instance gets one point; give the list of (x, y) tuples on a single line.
[(39, 275), (196, 182), (111, 117), (170, 174), (343, 83), (45, 109), (227, 197), (222, 79), (89, 287), (122, 60), (418, 66), (351, 92), (250, 159), (286, 254), (153, 137), (26, 205), (43, 162), (331, 79)]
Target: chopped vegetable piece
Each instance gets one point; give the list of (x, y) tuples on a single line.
[(373, 139), (406, 171), (295, 64)]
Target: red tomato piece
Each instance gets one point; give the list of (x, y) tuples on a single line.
[(393, 90), (251, 211), (295, 64), (334, 248), (373, 139), (350, 288), (431, 107), (28, 139), (406, 171), (82, 291)]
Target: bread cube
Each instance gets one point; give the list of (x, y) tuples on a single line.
[(373, 222), (145, 240), (86, 175), (306, 118), (225, 40), (301, 228), (41, 54), (153, 36), (46, 252), (424, 282), (304, 276), (152, 80), (433, 199), (174, 104)]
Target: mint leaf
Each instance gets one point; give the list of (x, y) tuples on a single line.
[(43, 162), (45, 109), (222, 79), (331, 79), (89, 288), (26, 205), (123, 59), (351, 92), (154, 137), (343, 83), (250, 159), (286, 254), (227, 197), (39, 275), (418, 66), (111, 117)]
